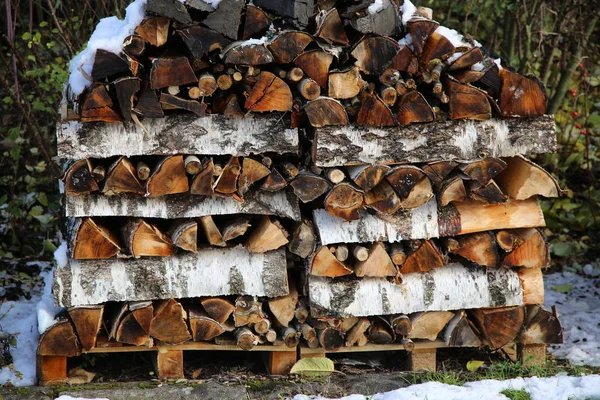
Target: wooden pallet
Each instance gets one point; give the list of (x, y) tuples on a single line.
[(423, 356), (168, 359)]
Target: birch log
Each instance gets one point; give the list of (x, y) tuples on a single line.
[(278, 203), (453, 287), (428, 221), (449, 140), (178, 134), (210, 272)]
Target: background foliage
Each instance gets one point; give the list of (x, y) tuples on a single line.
[(557, 40)]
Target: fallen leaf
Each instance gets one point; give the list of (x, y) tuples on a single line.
[(566, 288), (313, 366), (474, 365)]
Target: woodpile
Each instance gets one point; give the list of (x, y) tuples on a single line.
[(321, 175)]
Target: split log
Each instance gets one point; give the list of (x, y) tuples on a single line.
[(401, 324), (256, 21), (99, 173), (373, 54), (428, 325), (533, 285), (192, 164), (200, 40), (325, 111), (169, 102), (204, 182), (171, 71), (437, 46), (483, 170), (344, 201), (452, 190), (168, 177), (479, 248), (397, 254), (143, 312), (345, 84), (113, 316), (79, 180), (288, 45), (308, 186), (461, 332), (383, 198), (368, 176), (234, 227), (268, 235), (507, 241), (283, 308), (378, 264), (541, 326), (203, 327), (422, 256), (380, 332), (347, 324), (218, 308), (303, 240), (224, 272), (98, 106), (274, 182), (269, 93), (184, 234), (361, 253), (448, 140), (428, 221), (405, 61), (89, 240), (499, 326), (489, 193), (212, 232), (87, 321), (522, 179), (324, 263), (168, 323), (521, 96), (290, 336), (226, 18), (246, 340), (107, 64), (374, 112), (141, 238), (533, 252), (330, 339), (126, 88), (341, 252), (315, 64), (467, 102), (129, 331), (413, 108), (154, 30), (59, 339), (384, 22), (330, 28), (411, 184), (134, 45), (420, 29), (180, 134), (147, 105), (437, 171), (226, 183), (452, 287), (252, 171), (248, 310), (466, 59), (357, 331), (122, 178)]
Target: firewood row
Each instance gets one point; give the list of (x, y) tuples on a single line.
[(512, 248), (199, 175), (250, 321), (95, 238), (346, 65), (247, 320)]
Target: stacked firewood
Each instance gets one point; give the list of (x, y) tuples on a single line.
[(324, 174)]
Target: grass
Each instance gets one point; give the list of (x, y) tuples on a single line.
[(513, 394)]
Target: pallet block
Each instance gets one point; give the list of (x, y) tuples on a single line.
[(51, 370), (532, 355)]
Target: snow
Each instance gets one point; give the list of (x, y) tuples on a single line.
[(454, 57), (498, 62), (560, 387), (60, 255), (578, 313), (453, 36), (46, 311), (19, 318), (406, 41), (254, 42), (213, 3), (478, 66), (377, 6), (407, 9), (108, 35)]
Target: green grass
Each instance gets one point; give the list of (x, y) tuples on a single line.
[(513, 394)]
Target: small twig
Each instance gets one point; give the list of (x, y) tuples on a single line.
[(60, 29)]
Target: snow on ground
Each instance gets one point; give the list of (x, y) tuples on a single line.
[(20, 318), (560, 387), (578, 313)]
